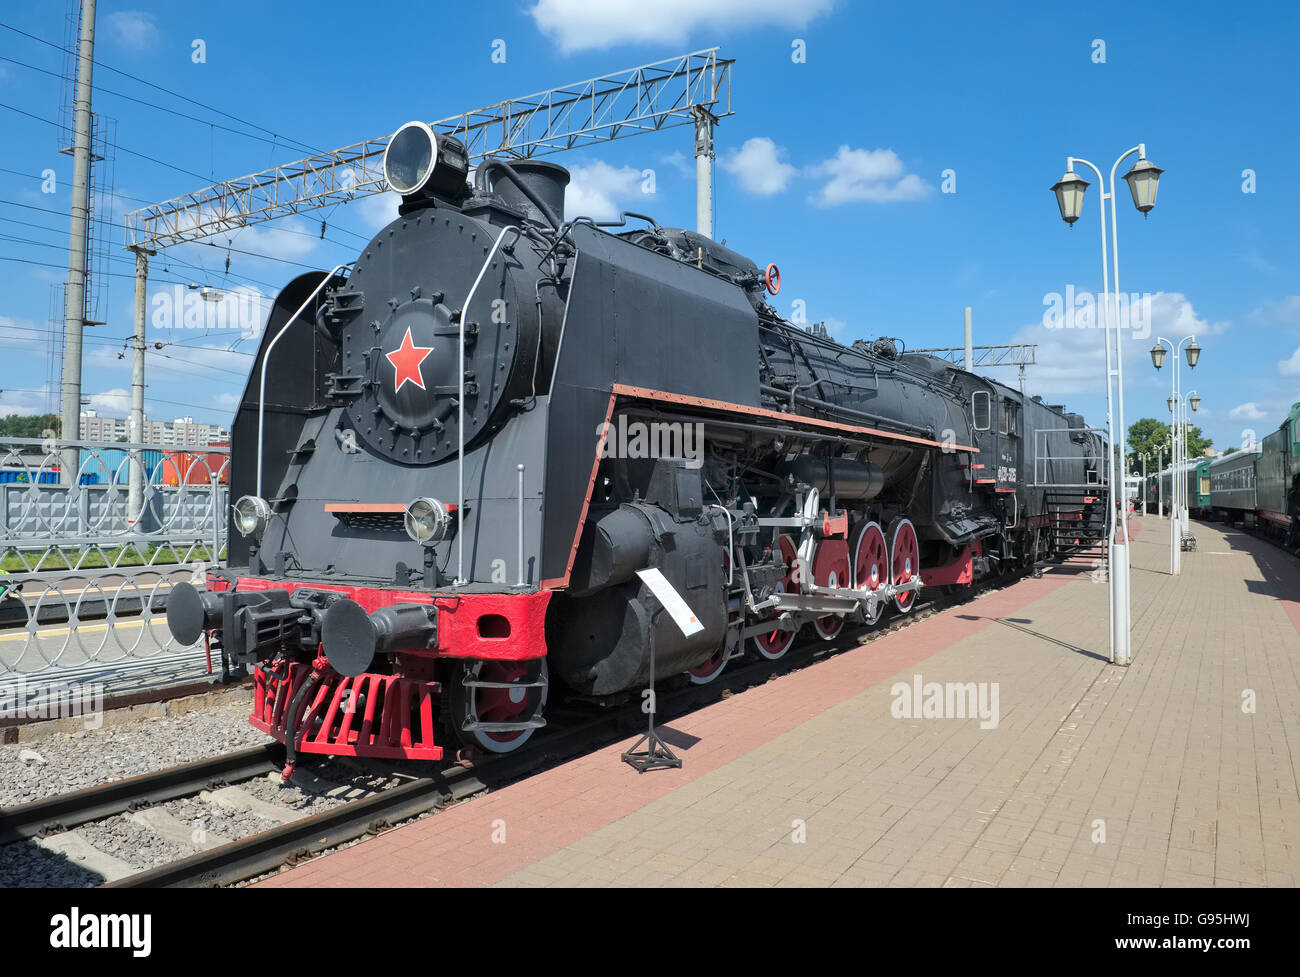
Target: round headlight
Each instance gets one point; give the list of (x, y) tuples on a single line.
[(426, 521), (410, 157), (251, 515)]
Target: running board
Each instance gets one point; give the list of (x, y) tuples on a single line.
[(482, 727), (821, 601), (474, 683)]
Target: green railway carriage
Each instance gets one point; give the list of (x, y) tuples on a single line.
[(1258, 487), (1197, 478), (1232, 486), (1277, 477)]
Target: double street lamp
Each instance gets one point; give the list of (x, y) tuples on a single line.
[(1178, 434), (1143, 180)]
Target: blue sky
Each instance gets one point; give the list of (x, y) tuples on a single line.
[(833, 167)]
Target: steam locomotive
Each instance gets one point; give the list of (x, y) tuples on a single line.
[(459, 459)]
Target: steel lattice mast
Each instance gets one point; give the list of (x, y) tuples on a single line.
[(1015, 354), (644, 99)]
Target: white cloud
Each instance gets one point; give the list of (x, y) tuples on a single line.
[(875, 175), (112, 403), (837, 329), (759, 167), (22, 334), (1286, 311), (1172, 316), (378, 210), (1247, 412), (1290, 367), (598, 190), (679, 161), (26, 402), (580, 25), (1073, 360), (287, 240), (133, 29)]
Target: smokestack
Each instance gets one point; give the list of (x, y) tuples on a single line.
[(970, 350)]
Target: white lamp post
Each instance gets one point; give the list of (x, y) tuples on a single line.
[(1144, 483), (1177, 487), (1142, 180), (1192, 400), (1160, 467)]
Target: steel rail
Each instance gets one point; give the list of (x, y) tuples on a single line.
[(78, 807)]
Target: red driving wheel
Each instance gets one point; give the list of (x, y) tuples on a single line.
[(870, 564), (831, 569), (904, 560), (775, 643)]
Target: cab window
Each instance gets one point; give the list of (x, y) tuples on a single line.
[(1008, 418)]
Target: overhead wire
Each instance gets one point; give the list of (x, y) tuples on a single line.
[(162, 88)]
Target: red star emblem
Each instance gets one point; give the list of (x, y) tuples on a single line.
[(406, 360)]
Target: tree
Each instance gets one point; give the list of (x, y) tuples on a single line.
[(1197, 443), (1146, 436), (28, 426), (1150, 435), (1229, 451)]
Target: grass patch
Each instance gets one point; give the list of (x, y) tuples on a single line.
[(99, 559)]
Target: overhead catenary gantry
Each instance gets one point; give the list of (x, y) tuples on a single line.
[(692, 89), (1014, 354)]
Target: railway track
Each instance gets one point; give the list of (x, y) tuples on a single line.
[(575, 730), (66, 811)]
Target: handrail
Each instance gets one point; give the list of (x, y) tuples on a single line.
[(266, 357), (460, 409)]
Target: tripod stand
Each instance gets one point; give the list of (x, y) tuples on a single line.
[(657, 754)]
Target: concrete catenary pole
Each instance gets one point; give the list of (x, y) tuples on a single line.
[(135, 494), (970, 344), (704, 121), (74, 310)]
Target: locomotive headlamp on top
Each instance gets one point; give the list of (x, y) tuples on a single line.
[(420, 163), (251, 516), (426, 521)]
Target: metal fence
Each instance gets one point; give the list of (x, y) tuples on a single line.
[(92, 537)]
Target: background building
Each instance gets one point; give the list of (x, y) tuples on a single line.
[(181, 431)]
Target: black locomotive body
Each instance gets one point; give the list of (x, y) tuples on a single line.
[(457, 460)]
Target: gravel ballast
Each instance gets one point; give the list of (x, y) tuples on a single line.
[(71, 761)]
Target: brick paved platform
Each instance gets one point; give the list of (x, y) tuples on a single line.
[(1179, 770)]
